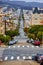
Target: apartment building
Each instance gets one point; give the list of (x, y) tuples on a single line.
[(8, 20), (33, 17), (37, 16), (27, 18), (1, 23)]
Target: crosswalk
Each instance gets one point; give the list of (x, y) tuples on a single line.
[(32, 46), (22, 56), (6, 58)]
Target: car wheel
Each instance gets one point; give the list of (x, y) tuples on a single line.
[(41, 63)]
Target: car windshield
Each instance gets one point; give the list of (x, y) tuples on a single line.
[(39, 54)]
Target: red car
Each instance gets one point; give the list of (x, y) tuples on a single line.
[(37, 43)]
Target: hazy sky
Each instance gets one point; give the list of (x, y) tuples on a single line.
[(30, 0)]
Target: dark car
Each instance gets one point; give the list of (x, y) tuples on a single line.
[(41, 62), (39, 57), (30, 40), (37, 43)]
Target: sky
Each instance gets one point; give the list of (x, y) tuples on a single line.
[(29, 0)]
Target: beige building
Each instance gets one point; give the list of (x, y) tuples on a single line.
[(27, 18), (37, 17), (1, 23), (10, 25), (1, 26), (33, 17)]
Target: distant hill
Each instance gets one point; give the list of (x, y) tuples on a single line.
[(21, 4), (35, 4)]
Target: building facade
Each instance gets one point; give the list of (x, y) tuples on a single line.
[(37, 17), (7, 20)]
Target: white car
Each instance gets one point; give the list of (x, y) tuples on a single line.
[(12, 42)]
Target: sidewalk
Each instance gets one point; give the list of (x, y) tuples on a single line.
[(19, 63)]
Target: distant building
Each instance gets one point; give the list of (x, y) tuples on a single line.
[(27, 18), (1, 23), (10, 20), (37, 16), (33, 17)]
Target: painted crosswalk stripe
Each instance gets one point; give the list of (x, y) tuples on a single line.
[(18, 57), (14, 46), (27, 46), (5, 58), (24, 57), (9, 47), (23, 46), (37, 46), (12, 57), (32, 46), (30, 57), (18, 46)]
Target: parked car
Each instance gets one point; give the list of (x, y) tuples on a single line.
[(12, 42), (30, 41), (39, 58), (41, 62), (37, 43)]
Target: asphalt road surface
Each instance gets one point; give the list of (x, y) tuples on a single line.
[(19, 52)]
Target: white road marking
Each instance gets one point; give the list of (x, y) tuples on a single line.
[(18, 57), (14, 46), (37, 46), (9, 47), (27, 46), (18, 46), (5, 58), (32, 46), (23, 46), (12, 57), (30, 57), (24, 57)]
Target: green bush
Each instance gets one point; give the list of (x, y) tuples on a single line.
[(31, 36), (26, 30), (12, 33), (35, 31), (40, 35), (5, 39)]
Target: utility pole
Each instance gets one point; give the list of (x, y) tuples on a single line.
[(5, 26)]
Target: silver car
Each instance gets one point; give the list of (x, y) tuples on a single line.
[(12, 42)]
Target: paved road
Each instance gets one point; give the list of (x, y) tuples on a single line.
[(19, 52)]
